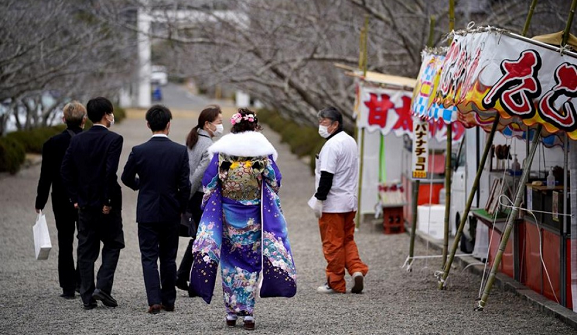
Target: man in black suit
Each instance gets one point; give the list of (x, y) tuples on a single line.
[(89, 174), (159, 170), (65, 214)]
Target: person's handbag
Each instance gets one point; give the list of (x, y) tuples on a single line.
[(188, 226), (42, 244)]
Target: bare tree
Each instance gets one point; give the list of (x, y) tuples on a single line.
[(58, 48), (280, 52), (283, 52)]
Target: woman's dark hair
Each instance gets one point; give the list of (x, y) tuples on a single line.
[(97, 107), (210, 113), (243, 124)]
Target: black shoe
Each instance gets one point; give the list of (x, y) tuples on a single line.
[(182, 284), (106, 298), (68, 295), (92, 304), (168, 308)]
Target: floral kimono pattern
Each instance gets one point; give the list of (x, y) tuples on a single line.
[(242, 228)]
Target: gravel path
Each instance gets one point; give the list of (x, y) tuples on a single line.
[(394, 301)]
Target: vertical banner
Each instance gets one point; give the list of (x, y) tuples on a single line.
[(420, 148)]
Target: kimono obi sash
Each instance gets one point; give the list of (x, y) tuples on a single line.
[(241, 178)]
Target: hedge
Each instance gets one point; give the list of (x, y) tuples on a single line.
[(33, 140), (303, 140), (12, 155), (15, 145)]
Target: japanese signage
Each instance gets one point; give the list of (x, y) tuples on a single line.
[(523, 80), (389, 110), (420, 149)]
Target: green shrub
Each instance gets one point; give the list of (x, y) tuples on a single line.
[(119, 114), (32, 140), (306, 142), (12, 155), (302, 140), (289, 132)]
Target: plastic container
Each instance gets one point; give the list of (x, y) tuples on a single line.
[(516, 166), (551, 179)]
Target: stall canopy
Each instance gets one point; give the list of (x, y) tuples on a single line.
[(527, 82), (426, 102)]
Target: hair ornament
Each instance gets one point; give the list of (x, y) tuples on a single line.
[(237, 118)]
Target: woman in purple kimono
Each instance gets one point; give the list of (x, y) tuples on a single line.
[(242, 225)]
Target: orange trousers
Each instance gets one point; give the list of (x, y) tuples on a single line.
[(340, 249)]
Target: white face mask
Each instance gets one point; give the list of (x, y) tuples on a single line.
[(112, 121), (219, 129), (323, 131)]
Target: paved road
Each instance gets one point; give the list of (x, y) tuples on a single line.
[(181, 98), (394, 301)]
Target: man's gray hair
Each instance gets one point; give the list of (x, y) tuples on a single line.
[(331, 113)]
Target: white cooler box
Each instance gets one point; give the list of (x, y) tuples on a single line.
[(431, 220)]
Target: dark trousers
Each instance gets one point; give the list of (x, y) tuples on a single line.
[(186, 262), (94, 227), (66, 222), (159, 240)]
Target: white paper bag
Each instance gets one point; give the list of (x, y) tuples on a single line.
[(42, 244)]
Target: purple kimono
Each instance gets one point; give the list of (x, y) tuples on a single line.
[(244, 229)]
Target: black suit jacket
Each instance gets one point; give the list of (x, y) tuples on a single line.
[(162, 181), (89, 169), (53, 152)]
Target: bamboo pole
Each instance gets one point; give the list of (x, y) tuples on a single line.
[(448, 157), (451, 16), (569, 22), (520, 191), (432, 21), (473, 190), (417, 184), (528, 21), (510, 219), (414, 204), (362, 66), (448, 172)]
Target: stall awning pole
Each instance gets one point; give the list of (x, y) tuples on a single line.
[(510, 219), (362, 66), (472, 192), (448, 151)]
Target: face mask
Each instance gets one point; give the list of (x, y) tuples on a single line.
[(323, 131), (219, 129), (112, 121)]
